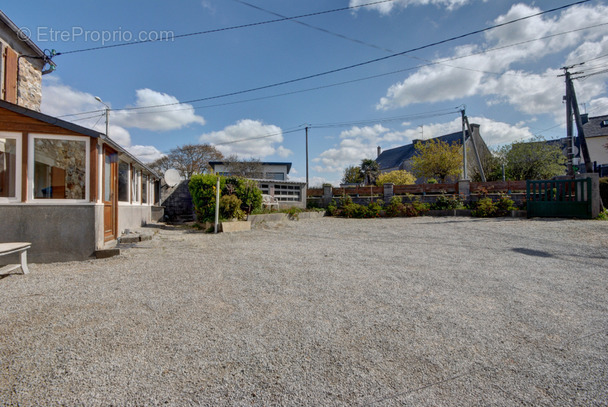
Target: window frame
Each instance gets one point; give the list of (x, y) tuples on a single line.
[(18, 162), (31, 161), (135, 189), (129, 182)]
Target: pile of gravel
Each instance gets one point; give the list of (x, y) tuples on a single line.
[(423, 311)]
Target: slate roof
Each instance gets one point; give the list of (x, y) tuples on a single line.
[(395, 156), (596, 126)]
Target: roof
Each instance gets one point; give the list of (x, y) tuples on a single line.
[(39, 53), (72, 127), (394, 157), (214, 163), (596, 126)]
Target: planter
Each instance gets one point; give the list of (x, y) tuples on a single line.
[(238, 226)]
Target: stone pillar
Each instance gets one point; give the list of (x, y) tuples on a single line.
[(595, 192), (388, 192), (327, 194), (464, 189)]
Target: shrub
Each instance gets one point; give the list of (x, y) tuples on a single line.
[(398, 177), (202, 188), (250, 195), (447, 202), (486, 208), (604, 191), (374, 209), (230, 208), (293, 212)]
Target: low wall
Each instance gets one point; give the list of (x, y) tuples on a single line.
[(57, 233), (133, 216)]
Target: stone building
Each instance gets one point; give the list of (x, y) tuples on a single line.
[(22, 66), (68, 190)]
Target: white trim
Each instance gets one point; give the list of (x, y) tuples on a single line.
[(30, 166), (19, 138)]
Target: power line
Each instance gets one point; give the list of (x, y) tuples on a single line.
[(360, 64), (318, 13)]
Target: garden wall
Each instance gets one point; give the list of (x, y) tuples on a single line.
[(427, 193)]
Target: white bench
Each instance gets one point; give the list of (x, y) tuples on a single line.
[(17, 247), (269, 201)]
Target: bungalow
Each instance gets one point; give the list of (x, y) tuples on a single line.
[(271, 178), (66, 189), (400, 158)]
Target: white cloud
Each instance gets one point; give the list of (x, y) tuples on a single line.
[(386, 8), (60, 99), (529, 92), (248, 139), (162, 118)]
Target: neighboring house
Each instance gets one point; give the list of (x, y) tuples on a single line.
[(272, 180), (66, 189), (400, 158), (21, 66), (596, 134)]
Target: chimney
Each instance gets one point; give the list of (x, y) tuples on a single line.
[(585, 118), (379, 151)]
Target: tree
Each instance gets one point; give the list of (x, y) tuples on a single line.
[(534, 159), (251, 168), (370, 170), (397, 177), (492, 166), (352, 175), (188, 159), (436, 159)]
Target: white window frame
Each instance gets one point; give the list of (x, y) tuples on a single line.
[(147, 177), (30, 168), (136, 175), (18, 137), (129, 182)]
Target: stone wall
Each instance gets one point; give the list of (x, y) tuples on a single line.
[(29, 89), (177, 202)]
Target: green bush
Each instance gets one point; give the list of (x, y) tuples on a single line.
[(202, 189), (486, 208), (447, 202), (230, 208)]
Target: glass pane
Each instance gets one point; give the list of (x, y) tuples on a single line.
[(123, 182), (107, 180), (59, 169), (144, 189), (135, 186), (8, 167)]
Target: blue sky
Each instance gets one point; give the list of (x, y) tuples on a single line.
[(513, 92)]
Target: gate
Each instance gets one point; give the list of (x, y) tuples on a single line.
[(559, 198)]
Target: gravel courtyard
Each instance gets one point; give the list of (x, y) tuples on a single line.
[(382, 312)]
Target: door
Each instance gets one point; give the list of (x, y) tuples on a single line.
[(110, 196)]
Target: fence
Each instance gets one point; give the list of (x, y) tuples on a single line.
[(321, 197)]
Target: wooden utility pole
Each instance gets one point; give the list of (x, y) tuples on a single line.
[(464, 143), (306, 157), (572, 107)]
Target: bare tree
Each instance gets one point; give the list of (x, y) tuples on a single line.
[(251, 168), (188, 159)]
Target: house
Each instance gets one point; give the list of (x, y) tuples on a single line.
[(596, 134), (67, 189), (400, 158), (21, 66), (271, 178)]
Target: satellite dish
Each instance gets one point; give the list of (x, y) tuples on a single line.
[(172, 177)]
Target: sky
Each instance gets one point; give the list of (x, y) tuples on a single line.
[(357, 75)]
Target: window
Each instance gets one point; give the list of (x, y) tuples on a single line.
[(123, 181), (59, 167), (135, 186), (278, 176), (10, 160), (144, 189)]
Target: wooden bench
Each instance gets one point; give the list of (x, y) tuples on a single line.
[(17, 247)]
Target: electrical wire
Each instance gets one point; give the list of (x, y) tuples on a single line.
[(360, 64), (318, 13), (442, 61)]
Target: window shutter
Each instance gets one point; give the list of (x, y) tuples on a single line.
[(10, 76)]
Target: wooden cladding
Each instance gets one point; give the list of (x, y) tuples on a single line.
[(11, 61)]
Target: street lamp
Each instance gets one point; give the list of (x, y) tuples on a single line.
[(97, 98)]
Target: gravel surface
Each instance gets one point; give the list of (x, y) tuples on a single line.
[(421, 311)]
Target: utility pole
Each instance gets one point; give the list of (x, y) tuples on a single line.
[(572, 107), (464, 149), (97, 98), (306, 157)]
